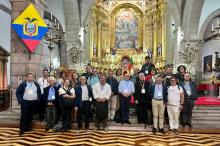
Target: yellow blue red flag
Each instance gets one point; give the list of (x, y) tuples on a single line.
[(30, 27)]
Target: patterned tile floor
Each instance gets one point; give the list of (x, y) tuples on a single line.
[(10, 137)]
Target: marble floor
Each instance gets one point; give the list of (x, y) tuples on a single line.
[(10, 137)]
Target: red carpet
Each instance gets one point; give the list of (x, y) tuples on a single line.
[(207, 100)]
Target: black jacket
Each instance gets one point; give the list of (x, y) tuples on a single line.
[(152, 89), (78, 91), (194, 92), (141, 97), (21, 89), (114, 84), (46, 93), (148, 66)]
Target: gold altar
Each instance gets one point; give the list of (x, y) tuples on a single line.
[(131, 30)]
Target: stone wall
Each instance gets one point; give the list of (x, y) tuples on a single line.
[(21, 60)]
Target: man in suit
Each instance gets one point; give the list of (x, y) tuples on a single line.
[(190, 95), (51, 102), (28, 94), (83, 102), (147, 67)]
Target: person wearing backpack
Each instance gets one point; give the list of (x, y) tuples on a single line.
[(190, 94), (67, 96), (175, 99)]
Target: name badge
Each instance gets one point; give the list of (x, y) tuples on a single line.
[(142, 90), (146, 71), (90, 99), (159, 94), (53, 97), (188, 92), (30, 92)]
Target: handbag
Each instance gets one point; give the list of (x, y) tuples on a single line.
[(68, 101)]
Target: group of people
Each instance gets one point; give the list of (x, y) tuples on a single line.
[(108, 97)]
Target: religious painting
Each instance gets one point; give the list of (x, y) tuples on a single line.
[(125, 62), (207, 66), (126, 30)]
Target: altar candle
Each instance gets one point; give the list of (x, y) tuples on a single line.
[(55, 21), (212, 27), (58, 26), (217, 23)]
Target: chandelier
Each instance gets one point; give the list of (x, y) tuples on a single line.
[(187, 55), (53, 36), (75, 52)]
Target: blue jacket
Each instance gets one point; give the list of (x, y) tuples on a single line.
[(114, 84), (78, 91), (152, 89), (194, 92), (46, 92), (21, 89)]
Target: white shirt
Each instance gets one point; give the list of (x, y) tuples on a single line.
[(100, 91), (187, 88), (85, 93), (174, 95), (43, 84), (62, 91)]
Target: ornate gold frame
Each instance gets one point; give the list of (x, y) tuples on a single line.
[(138, 13)]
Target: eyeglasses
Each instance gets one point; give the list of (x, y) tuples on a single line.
[(172, 80)]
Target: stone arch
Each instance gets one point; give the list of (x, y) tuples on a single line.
[(126, 5), (206, 22), (176, 15), (191, 17)]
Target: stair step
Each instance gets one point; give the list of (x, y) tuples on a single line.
[(205, 115), (206, 111), (210, 118), (206, 108)]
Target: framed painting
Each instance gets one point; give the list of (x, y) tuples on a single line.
[(207, 63)]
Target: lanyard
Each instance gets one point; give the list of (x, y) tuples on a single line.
[(142, 84)]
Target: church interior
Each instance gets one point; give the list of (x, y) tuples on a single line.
[(67, 36)]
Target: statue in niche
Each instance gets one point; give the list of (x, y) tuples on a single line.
[(159, 50), (149, 53)]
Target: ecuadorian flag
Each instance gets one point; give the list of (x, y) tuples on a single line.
[(30, 27)]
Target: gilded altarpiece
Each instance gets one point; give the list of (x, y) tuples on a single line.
[(122, 29)]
